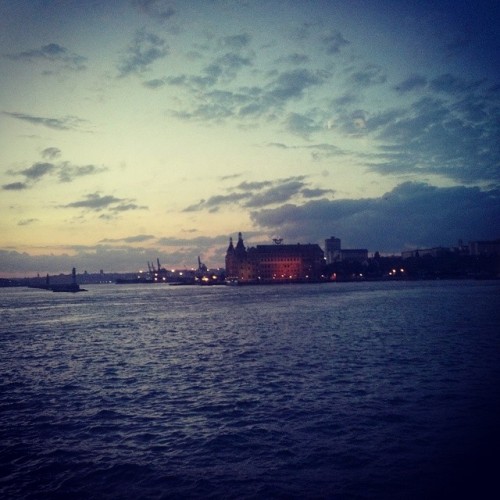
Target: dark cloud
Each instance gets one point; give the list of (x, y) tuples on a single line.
[(52, 53), (252, 186), (301, 125), (64, 123), (456, 139), (292, 84), (411, 215), (51, 153), (316, 193), (125, 207), (277, 194), (258, 194), (214, 203), (68, 172), (334, 42), (65, 171), (236, 42), (37, 170), (370, 75), (296, 59), (413, 82), (160, 10), (15, 186), (156, 83), (94, 202), (449, 84), (139, 238), (144, 50)]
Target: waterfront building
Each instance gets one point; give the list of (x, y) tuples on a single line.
[(484, 247), (335, 253), (274, 263)]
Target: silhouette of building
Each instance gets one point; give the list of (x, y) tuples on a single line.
[(484, 247), (335, 253), (273, 263)]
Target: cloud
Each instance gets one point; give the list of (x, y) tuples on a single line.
[(214, 203), (26, 222), (277, 194), (334, 42), (236, 42), (52, 53), (160, 10), (68, 172), (368, 76), (259, 194), (246, 102), (449, 84), (454, 138), (37, 170), (108, 206), (296, 59), (411, 215), (15, 186), (156, 83), (292, 84), (65, 171), (51, 153), (301, 125), (144, 50), (413, 82), (94, 202), (139, 238), (64, 123)]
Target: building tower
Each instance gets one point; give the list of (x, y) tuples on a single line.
[(332, 250)]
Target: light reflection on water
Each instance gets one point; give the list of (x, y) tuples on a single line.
[(370, 390)]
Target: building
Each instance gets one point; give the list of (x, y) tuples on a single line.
[(334, 252), (274, 263), (484, 247)]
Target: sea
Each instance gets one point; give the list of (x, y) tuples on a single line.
[(338, 390)]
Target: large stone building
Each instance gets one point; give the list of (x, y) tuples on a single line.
[(273, 263)]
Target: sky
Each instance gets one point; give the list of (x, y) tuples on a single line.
[(132, 130)]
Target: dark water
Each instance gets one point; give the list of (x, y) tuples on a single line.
[(383, 390)]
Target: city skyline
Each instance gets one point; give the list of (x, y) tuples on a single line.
[(138, 129)]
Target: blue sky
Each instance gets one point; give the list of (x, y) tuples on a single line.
[(141, 128)]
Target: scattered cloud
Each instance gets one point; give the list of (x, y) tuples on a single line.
[(143, 51), (97, 203), (334, 42), (65, 171), (37, 170), (94, 202), (52, 53), (15, 186), (260, 194), (369, 75), (160, 10), (139, 238), (413, 82), (64, 123), (301, 125), (51, 153), (68, 172)]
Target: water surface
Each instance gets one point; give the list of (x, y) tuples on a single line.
[(360, 390)]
